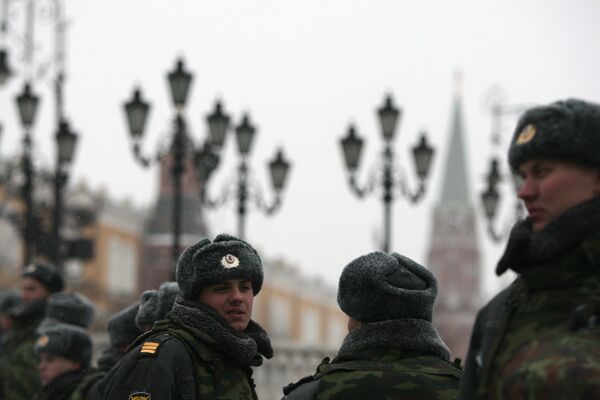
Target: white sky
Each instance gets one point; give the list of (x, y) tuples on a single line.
[(304, 70)]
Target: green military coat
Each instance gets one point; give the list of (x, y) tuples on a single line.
[(540, 338)]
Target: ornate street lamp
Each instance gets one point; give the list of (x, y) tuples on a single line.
[(66, 141), (244, 191), (352, 144), (206, 158), (491, 195), (27, 104)]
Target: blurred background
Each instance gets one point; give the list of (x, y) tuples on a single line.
[(336, 128)]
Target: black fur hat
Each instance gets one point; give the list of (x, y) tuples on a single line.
[(69, 308), (67, 341), (122, 329), (380, 286), (47, 274), (206, 263), (566, 130)]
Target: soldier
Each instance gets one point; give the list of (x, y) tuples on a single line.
[(207, 344), (65, 353), (539, 337), (122, 332), (68, 308), (18, 368), (155, 304), (392, 350)]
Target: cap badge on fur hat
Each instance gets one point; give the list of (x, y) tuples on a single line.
[(140, 396), (43, 341), (29, 269), (230, 261), (526, 134)]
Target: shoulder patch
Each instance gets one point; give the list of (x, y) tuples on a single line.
[(150, 348), (140, 396)]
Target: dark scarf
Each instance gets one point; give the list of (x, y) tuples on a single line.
[(408, 334), (247, 347), (526, 249), (62, 386)]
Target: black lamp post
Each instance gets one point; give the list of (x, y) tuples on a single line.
[(491, 194), (137, 111), (352, 144), (27, 103), (66, 142), (244, 192)]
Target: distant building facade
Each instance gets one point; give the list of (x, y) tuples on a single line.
[(454, 255)]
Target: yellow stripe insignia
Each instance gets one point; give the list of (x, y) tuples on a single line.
[(149, 348)]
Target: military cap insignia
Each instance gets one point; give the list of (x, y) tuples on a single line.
[(140, 396), (230, 261), (149, 348), (30, 269), (526, 134), (43, 341)]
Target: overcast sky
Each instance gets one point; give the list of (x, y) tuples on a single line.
[(304, 70)]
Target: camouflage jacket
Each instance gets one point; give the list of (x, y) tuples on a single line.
[(19, 376), (379, 369), (538, 338), (175, 360)]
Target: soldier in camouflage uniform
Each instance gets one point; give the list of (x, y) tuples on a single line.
[(19, 378), (207, 344), (539, 338), (392, 350), (65, 353)]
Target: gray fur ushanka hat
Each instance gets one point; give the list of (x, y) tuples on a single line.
[(122, 329), (47, 274), (566, 130), (206, 263), (69, 308), (68, 341), (155, 304), (380, 286)]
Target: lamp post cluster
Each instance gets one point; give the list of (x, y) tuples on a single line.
[(387, 176), (244, 189), (206, 157), (491, 195), (50, 245)]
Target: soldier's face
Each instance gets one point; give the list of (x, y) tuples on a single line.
[(232, 299), (52, 366), (32, 289), (550, 188)]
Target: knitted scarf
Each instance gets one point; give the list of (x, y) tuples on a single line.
[(247, 347), (526, 249)]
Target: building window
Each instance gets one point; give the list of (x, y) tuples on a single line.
[(309, 326), (279, 318), (336, 331), (121, 267)]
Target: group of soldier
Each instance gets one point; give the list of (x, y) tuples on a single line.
[(195, 338)]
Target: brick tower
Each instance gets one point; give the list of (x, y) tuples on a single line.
[(158, 265), (454, 252)]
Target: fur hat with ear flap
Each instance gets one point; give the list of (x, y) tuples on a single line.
[(566, 130), (206, 263), (68, 341), (47, 274), (69, 308), (380, 286)]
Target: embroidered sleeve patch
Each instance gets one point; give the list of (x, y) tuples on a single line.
[(140, 396)]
